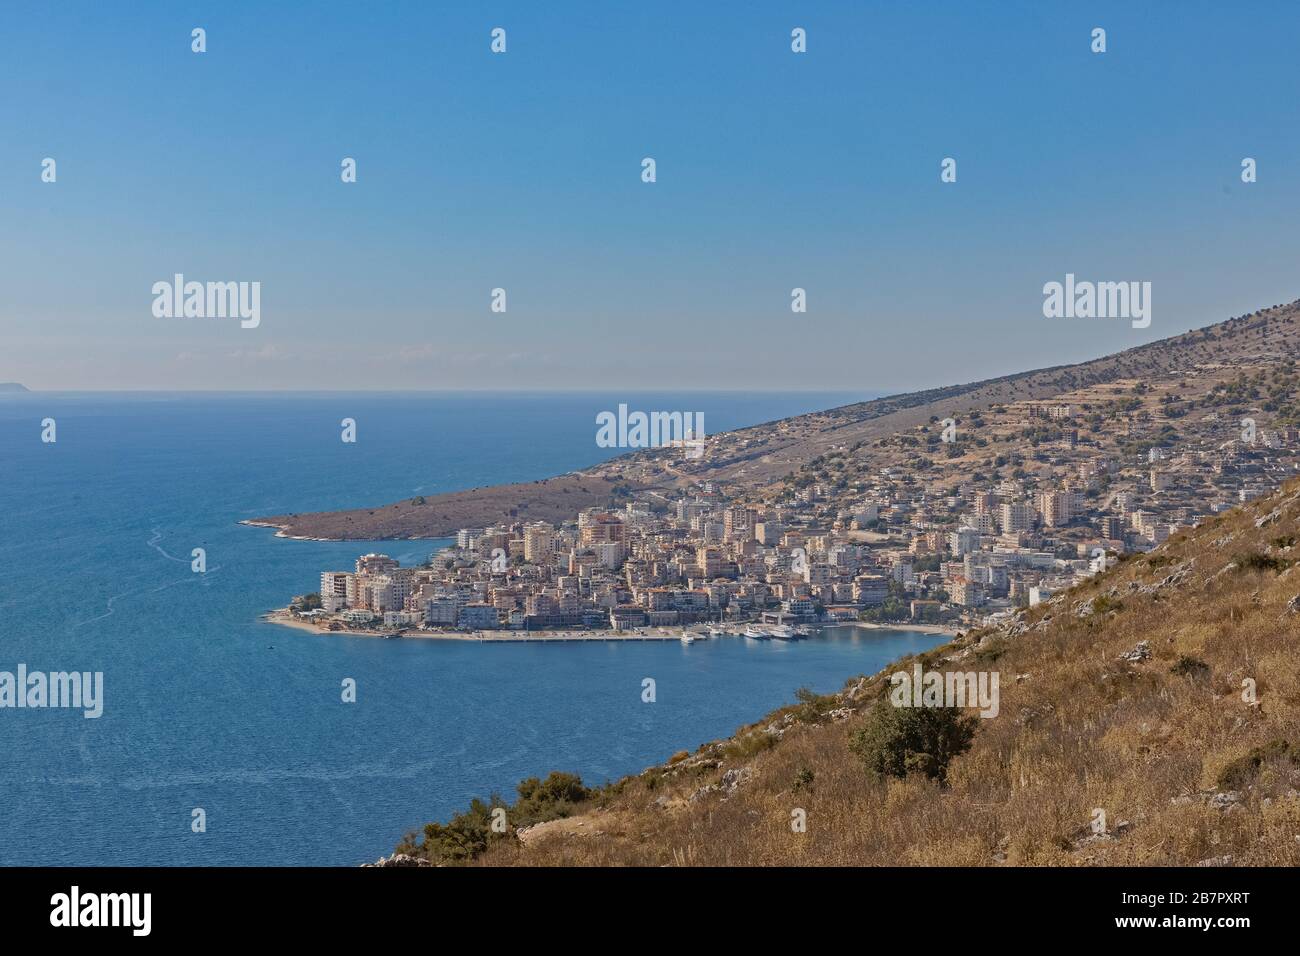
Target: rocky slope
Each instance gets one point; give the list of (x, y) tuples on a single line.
[(1148, 716)]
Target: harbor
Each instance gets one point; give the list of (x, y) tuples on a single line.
[(686, 636)]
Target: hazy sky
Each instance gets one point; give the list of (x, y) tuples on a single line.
[(523, 171)]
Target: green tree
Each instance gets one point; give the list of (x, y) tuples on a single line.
[(897, 741)]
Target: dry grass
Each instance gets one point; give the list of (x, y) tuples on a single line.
[(1152, 743)]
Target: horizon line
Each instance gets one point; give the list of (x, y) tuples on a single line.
[(417, 391)]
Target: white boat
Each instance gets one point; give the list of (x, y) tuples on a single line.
[(688, 638), (756, 634), (783, 632), (802, 631)]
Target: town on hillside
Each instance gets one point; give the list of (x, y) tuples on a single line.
[(952, 524)]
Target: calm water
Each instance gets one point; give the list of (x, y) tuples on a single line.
[(205, 706)]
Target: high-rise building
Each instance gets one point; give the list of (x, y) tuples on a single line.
[(709, 562), (375, 564), (334, 589), (738, 523), (963, 540), (1057, 508), (870, 590), (1016, 516), (600, 527), (539, 543)]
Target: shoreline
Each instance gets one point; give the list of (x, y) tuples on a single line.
[(284, 618), (922, 628), (280, 533)]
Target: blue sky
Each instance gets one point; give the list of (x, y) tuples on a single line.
[(522, 171)]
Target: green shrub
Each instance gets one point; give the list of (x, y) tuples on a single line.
[(749, 745), (549, 799), (813, 706), (306, 602), (1258, 561), (468, 834), (897, 741), (1104, 602), (462, 838)]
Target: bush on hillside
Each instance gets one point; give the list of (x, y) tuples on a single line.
[(467, 834), (897, 741), (1258, 561), (549, 799), (462, 838)]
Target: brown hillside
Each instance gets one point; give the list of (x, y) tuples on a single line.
[(1124, 695), (750, 458)]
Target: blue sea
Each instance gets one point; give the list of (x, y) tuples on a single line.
[(206, 706)]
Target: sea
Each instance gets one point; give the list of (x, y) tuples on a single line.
[(226, 740)]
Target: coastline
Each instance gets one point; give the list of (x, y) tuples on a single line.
[(922, 628), (285, 618), (281, 533)]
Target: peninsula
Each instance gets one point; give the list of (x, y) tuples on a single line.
[(954, 507)]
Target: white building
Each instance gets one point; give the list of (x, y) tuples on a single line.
[(476, 617), (334, 589)]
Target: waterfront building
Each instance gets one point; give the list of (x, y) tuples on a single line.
[(476, 617)]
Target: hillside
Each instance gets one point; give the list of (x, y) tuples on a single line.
[(440, 516), (1194, 366), (1159, 699)]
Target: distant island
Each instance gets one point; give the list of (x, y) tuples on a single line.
[(13, 387)]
